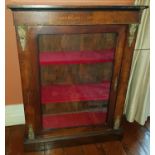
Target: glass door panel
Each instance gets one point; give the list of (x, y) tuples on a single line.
[(76, 72)]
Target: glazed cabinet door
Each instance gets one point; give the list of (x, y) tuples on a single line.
[(70, 75)]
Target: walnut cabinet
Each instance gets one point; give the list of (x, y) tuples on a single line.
[(75, 64)]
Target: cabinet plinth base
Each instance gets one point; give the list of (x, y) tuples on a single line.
[(40, 144)]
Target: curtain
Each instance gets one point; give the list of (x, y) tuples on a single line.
[(137, 104)]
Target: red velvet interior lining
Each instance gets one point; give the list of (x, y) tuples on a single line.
[(47, 57), (79, 92), (74, 119), (85, 92)]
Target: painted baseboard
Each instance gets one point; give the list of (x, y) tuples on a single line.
[(14, 115)]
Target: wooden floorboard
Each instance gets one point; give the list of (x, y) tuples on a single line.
[(91, 150), (136, 141), (114, 148), (57, 151), (76, 150)]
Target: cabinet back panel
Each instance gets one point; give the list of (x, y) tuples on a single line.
[(74, 74), (68, 107), (77, 42)]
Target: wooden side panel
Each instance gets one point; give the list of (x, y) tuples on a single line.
[(30, 78), (116, 73), (75, 17), (124, 77)]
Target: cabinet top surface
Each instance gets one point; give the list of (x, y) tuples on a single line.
[(75, 7)]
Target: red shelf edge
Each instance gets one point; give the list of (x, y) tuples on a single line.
[(47, 58), (75, 93), (74, 120)]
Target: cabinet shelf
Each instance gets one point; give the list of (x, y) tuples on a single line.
[(79, 92), (74, 119), (48, 58)]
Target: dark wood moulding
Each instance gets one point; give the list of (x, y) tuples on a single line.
[(42, 143), (76, 7), (75, 15)]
